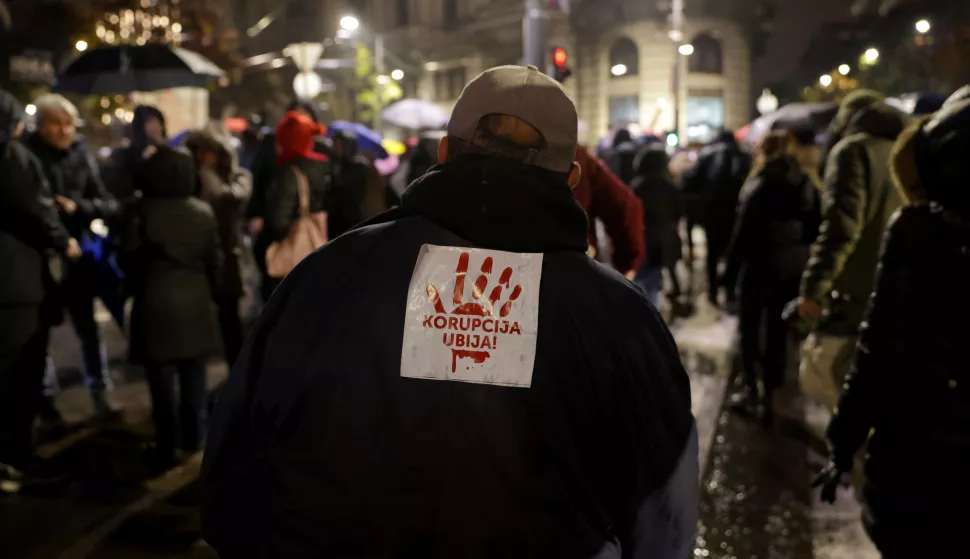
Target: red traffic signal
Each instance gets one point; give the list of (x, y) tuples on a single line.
[(559, 57)]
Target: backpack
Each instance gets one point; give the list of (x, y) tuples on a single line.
[(307, 234)]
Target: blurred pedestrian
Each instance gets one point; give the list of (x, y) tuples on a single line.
[(852, 103), (619, 157), (172, 256), (81, 197), (226, 187), (663, 208), (297, 165), (563, 431), (351, 181), (858, 200), (147, 129), (777, 222), (30, 229), (715, 183), (908, 394), (605, 198)]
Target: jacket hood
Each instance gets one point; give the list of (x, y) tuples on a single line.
[(215, 138), (11, 115), (879, 120), (141, 115), (850, 105), (170, 173), (499, 204), (651, 162), (929, 160)]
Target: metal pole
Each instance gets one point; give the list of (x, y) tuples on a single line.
[(534, 35), (677, 35), (381, 76)]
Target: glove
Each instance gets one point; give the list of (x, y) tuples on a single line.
[(829, 480)]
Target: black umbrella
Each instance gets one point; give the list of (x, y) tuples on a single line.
[(127, 68)]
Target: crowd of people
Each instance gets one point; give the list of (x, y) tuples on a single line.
[(573, 431)]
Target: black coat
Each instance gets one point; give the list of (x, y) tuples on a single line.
[(29, 227), (910, 383), (714, 185), (320, 448), (777, 222), (620, 159), (663, 207), (74, 174), (282, 202), (172, 257)]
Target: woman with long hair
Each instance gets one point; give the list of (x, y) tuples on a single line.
[(907, 397), (778, 219)]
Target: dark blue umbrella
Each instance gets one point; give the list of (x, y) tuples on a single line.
[(367, 139), (127, 68)]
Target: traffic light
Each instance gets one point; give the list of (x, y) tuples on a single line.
[(559, 69)]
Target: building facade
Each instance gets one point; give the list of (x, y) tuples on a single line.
[(622, 59)]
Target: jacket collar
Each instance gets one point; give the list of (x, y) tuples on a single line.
[(499, 205)]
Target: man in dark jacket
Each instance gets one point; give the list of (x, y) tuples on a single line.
[(81, 198), (715, 183), (226, 187), (426, 407), (29, 229), (619, 157), (857, 202), (663, 208)]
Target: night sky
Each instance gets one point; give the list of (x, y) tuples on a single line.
[(795, 23)]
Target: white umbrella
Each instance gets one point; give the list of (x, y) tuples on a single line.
[(416, 114)]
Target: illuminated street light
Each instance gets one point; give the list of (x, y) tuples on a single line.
[(30, 109), (397, 75), (871, 55), (825, 80), (686, 49), (350, 23), (923, 26), (618, 70), (81, 46), (844, 69)]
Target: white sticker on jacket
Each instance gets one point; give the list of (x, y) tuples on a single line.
[(472, 316)]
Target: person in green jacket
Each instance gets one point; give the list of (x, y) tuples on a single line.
[(857, 202)]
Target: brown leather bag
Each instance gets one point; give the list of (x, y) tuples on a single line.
[(307, 234)]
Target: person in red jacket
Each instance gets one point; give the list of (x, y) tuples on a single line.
[(604, 196)]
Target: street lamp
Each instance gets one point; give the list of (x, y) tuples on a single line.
[(618, 70), (81, 46), (397, 75), (686, 49), (30, 109), (871, 55), (923, 26), (767, 103), (844, 69), (350, 23), (825, 80)]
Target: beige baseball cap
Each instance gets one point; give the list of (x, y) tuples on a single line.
[(529, 95)]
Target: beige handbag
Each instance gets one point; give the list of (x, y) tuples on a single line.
[(307, 234)]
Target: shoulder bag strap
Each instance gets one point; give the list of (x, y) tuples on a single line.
[(304, 188)]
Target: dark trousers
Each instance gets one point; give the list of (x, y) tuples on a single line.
[(23, 352), (191, 405), (718, 237), (80, 307), (761, 308), (231, 327)]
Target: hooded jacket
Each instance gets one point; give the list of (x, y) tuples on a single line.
[(120, 175), (857, 201), (323, 447), (714, 185), (227, 188), (910, 384)]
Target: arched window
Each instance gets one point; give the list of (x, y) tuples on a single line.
[(707, 57), (624, 58)]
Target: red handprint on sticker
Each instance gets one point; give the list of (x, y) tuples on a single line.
[(480, 306)]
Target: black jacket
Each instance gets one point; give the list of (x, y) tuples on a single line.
[(910, 383), (320, 448), (29, 227), (620, 159), (663, 207), (715, 182), (74, 174), (172, 258), (282, 202), (777, 222)]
